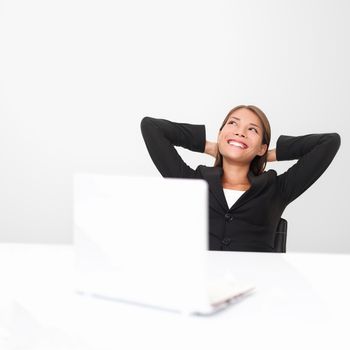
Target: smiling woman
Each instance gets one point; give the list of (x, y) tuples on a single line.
[(245, 202)]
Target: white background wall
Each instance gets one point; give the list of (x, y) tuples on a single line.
[(78, 76)]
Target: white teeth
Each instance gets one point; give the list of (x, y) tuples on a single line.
[(236, 144)]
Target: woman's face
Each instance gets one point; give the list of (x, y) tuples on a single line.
[(241, 137)]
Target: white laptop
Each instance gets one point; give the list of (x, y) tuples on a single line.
[(144, 240)]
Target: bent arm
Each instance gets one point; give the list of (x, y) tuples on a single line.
[(161, 135), (314, 152)]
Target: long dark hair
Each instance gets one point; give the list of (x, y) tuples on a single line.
[(258, 164)]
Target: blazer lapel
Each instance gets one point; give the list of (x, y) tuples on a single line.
[(257, 183), (213, 177)]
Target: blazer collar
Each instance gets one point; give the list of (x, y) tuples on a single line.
[(213, 176)]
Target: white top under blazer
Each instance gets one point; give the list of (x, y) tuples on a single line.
[(232, 196)]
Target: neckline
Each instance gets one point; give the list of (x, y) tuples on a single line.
[(229, 189)]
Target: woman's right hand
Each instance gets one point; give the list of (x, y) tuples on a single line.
[(211, 148)]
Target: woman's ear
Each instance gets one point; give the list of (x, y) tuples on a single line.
[(263, 149)]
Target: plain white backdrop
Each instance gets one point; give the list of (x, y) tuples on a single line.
[(78, 76)]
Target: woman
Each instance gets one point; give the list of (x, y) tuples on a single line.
[(245, 202)]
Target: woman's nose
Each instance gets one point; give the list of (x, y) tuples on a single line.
[(240, 133)]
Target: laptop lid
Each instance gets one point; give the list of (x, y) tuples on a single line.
[(142, 239)]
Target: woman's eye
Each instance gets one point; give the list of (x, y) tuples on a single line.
[(232, 121)]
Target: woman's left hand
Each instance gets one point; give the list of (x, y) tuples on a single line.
[(271, 155)]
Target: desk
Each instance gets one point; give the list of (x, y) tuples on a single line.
[(301, 300)]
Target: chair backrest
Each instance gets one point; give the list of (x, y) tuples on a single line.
[(281, 236)]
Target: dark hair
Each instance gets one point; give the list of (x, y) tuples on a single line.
[(258, 164)]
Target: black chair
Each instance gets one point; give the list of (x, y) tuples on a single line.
[(281, 236)]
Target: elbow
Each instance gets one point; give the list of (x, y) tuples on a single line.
[(333, 141), (144, 122), (147, 125), (149, 128), (336, 140)]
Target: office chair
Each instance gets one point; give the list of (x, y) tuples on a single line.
[(281, 236)]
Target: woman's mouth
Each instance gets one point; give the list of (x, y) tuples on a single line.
[(236, 143)]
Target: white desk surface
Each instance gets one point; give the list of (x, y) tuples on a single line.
[(301, 301)]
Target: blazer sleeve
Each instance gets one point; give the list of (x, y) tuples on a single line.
[(314, 152), (161, 135)]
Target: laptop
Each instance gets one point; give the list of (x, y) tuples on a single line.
[(144, 240)]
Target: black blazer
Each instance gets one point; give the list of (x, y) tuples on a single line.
[(250, 224)]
